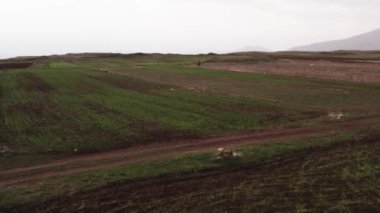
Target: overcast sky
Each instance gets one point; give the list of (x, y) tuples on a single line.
[(41, 27)]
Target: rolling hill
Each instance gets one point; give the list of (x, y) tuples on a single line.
[(364, 42)]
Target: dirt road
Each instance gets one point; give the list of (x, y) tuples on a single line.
[(91, 162), (285, 182)]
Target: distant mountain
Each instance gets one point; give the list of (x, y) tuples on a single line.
[(253, 49), (366, 41)]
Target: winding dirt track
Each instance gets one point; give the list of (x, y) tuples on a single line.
[(91, 162)]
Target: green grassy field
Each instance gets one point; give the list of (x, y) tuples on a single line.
[(62, 106), (72, 105), (51, 109)]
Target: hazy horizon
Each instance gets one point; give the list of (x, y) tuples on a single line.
[(43, 27)]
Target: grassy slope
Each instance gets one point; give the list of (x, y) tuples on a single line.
[(341, 178), (286, 90), (346, 157), (293, 91), (61, 106)]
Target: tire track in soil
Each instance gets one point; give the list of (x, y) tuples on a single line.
[(276, 179), (85, 163)]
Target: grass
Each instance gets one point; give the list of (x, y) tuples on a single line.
[(310, 182), (12, 196), (283, 90), (65, 107)]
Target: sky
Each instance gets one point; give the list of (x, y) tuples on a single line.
[(45, 27)]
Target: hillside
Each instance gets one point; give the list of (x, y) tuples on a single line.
[(364, 42), (80, 132)]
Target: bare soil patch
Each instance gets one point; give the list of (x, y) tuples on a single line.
[(31, 82), (350, 70), (328, 58), (15, 65)]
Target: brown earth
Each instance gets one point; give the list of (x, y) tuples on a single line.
[(350, 70), (18, 65), (31, 82), (91, 162), (328, 58)]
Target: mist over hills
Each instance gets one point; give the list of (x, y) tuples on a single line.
[(365, 42), (253, 49)]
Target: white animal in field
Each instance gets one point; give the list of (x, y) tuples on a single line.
[(223, 153), (336, 115)]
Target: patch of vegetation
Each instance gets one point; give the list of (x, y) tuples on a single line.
[(298, 92), (62, 64), (73, 108), (96, 102), (12, 196)]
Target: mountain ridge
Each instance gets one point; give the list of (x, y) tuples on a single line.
[(365, 42)]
